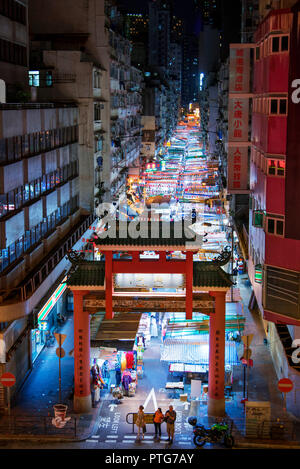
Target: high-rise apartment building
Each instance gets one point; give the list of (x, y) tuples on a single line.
[(274, 230), (14, 45), (69, 136), (91, 64)]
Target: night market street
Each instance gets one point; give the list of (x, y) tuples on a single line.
[(149, 229), (109, 420)]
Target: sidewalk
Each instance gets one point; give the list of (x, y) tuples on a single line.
[(40, 391)]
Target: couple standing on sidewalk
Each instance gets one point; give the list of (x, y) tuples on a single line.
[(158, 419)]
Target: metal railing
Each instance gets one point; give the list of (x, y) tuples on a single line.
[(41, 426), (148, 419), (28, 287)]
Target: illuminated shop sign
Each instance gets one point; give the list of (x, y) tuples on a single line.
[(258, 273), (42, 315)]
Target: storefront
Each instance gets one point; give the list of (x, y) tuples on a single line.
[(118, 369), (185, 350), (47, 317)]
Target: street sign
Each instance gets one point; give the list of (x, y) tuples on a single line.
[(8, 379), (60, 352), (247, 339), (62, 338), (248, 362), (247, 353), (285, 385)]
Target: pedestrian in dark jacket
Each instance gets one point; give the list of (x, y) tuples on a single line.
[(170, 417)]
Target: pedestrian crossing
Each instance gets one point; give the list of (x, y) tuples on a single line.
[(182, 440)]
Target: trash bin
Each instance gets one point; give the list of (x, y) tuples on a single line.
[(60, 410)]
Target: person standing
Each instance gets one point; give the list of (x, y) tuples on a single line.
[(170, 417), (140, 421), (157, 420)]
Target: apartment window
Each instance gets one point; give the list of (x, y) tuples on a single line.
[(97, 77), (275, 44), (276, 167), (280, 44), (34, 78), (284, 43), (282, 106), (275, 226), (13, 53), (97, 112), (257, 53), (258, 218), (13, 10), (274, 106), (278, 106)]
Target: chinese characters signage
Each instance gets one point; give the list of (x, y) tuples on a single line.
[(238, 167), (238, 118)]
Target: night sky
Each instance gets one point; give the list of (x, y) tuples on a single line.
[(182, 9)]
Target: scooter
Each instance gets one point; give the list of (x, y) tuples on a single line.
[(219, 432)]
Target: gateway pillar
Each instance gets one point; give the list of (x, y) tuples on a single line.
[(216, 374), (82, 386), (108, 285), (189, 285)]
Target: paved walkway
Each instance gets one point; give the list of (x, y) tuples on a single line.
[(40, 391)]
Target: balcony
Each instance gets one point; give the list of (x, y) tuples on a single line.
[(97, 92), (16, 148), (31, 238), (97, 125), (34, 279), (13, 201)]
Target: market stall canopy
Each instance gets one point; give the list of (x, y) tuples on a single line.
[(118, 333), (191, 350)]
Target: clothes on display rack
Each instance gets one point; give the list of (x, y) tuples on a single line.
[(118, 374), (140, 341), (129, 360), (139, 353), (126, 380), (153, 327), (123, 362)]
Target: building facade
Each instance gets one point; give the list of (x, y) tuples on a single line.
[(274, 234)]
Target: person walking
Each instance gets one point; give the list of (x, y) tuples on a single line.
[(157, 420), (140, 421), (170, 418)]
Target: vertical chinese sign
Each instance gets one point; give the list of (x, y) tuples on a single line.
[(238, 119)]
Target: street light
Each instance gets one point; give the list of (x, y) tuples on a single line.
[(226, 222)]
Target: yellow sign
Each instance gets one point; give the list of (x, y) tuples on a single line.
[(247, 339), (62, 338)]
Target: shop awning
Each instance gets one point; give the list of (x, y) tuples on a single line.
[(195, 351), (118, 333)]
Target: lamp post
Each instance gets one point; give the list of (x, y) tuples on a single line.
[(232, 247)]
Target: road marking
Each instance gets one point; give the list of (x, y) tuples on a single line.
[(112, 436), (151, 394), (91, 441)]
